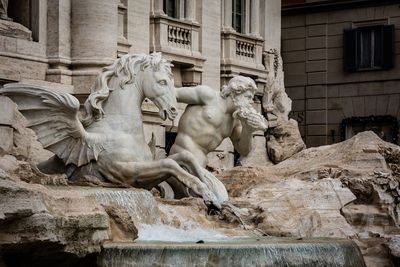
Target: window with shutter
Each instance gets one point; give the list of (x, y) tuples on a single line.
[(368, 48)]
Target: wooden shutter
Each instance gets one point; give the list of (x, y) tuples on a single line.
[(388, 47), (350, 49)]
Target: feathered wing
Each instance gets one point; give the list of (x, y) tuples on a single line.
[(54, 118)]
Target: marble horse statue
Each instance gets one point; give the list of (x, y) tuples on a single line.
[(107, 141)]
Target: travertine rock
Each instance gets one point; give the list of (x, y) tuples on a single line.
[(283, 138), (343, 190), (394, 246), (33, 215), (121, 224), (25, 144), (284, 141)]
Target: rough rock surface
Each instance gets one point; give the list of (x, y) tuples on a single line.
[(33, 217), (26, 147), (284, 141), (350, 189)]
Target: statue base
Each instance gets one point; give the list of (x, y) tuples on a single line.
[(12, 29)]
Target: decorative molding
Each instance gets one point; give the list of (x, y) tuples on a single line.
[(331, 5)]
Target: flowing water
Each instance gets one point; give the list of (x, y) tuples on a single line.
[(268, 252), (146, 214), (176, 240)]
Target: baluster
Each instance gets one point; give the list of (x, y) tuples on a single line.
[(175, 34), (169, 34)]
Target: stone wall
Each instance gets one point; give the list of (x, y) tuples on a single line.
[(323, 93)]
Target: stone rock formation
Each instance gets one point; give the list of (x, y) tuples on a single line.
[(283, 138), (350, 189), (33, 217), (284, 141)]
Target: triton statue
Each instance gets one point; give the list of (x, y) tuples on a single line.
[(108, 141), (210, 117)]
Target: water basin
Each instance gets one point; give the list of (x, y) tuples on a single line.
[(268, 252)]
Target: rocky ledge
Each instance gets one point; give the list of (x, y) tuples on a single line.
[(350, 189)]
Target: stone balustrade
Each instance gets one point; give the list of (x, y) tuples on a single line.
[(170, 36), (245, 50), (242, 54), (242, 48), (179, 41), (179, 37)]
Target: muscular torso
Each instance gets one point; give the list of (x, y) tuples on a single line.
[(202, 128)]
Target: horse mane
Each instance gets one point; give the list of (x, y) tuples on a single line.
[(126, 69)]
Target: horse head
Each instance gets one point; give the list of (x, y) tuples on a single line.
[(158, 86), (149, 75)]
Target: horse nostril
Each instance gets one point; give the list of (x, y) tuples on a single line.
[(173, 109)]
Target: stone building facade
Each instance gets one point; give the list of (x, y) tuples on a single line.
[(342, 67), (63, 44)]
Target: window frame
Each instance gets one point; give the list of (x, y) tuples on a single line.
[(242, 15), (176, 8), (382, 52)]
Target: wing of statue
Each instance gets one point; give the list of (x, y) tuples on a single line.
[(55, 119)]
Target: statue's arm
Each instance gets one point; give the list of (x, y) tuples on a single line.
[(196, 95), (242, 139)]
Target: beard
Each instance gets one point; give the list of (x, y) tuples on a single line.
[(249, 115)]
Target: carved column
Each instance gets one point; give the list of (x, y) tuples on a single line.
[(94, 36), (255, 17), (227, 15), (190, 10)]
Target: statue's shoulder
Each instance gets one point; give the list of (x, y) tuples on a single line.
[(207, 93)]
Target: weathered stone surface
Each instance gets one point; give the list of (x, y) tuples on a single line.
[(13, 29), (121, 225), (33, 215), (394, 246), (7, 111), (257, 156), (6, 138), (25, 144), (350, 189), (284, 141)]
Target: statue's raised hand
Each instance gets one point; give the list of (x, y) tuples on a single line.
[(251, 119)]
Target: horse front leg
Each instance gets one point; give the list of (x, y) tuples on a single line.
[(149, 174), (189, 162)]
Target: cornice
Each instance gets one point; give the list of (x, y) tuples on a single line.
[(330, 5)]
